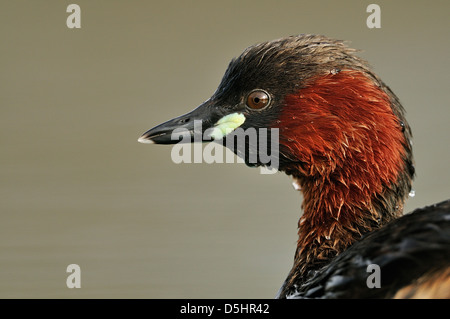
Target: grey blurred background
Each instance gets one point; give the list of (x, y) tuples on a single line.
[(76, 187)]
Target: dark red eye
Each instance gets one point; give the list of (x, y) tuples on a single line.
[(258, 100)]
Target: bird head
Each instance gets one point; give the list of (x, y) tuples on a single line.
[(331, 112)]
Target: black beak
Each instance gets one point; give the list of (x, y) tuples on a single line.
[(185, 128)]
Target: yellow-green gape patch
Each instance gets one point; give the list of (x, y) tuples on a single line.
[(226, 125)]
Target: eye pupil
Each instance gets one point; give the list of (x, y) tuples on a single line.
[(258, 99)]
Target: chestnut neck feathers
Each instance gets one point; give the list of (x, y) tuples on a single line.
[(356, 170), (343, 138)]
